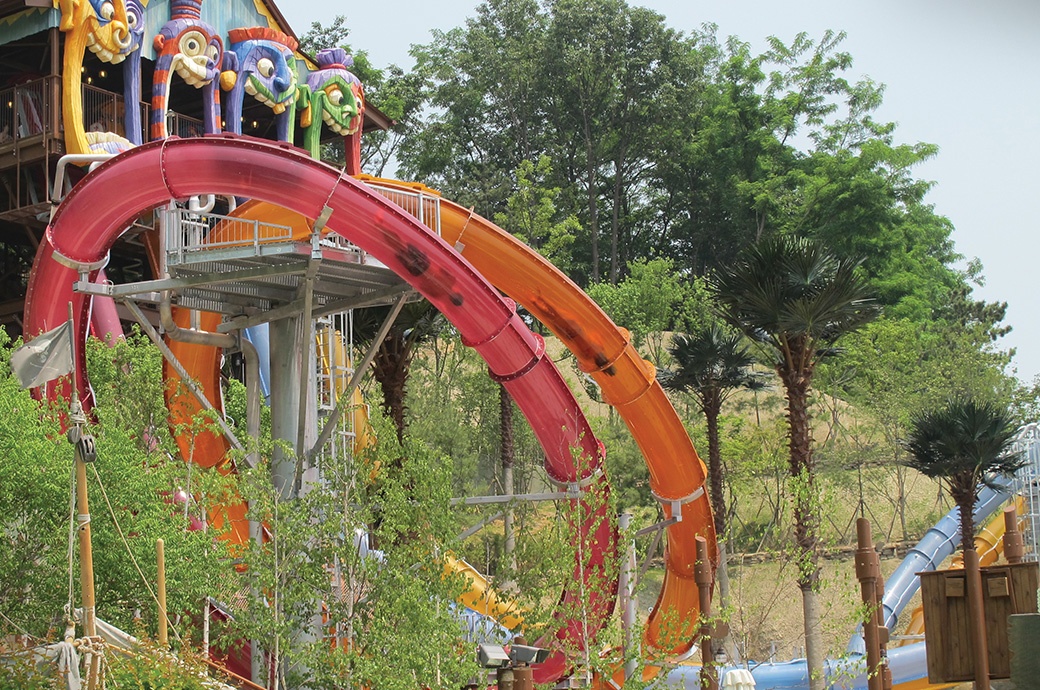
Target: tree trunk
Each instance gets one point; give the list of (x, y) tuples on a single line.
[(712, 408), (964, 497), (712, 404), (590, 181), (390, 368), (615, 218), (813, 639), (797, 383)]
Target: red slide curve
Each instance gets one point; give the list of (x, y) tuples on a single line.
[(95, 214), (606, 353)]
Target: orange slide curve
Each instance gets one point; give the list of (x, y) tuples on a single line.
[(627, 382)]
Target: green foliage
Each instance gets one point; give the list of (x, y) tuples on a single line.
[(531, 215), (149, 667), (964, 438), (963, 443), (651, 300), (131, 485), (392, 608)]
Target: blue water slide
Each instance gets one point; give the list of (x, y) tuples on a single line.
[(260, 337), (908, 664)]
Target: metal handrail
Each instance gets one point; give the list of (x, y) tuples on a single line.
[(424, 207)]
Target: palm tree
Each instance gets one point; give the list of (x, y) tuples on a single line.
[(712, 362), (963, 444), (796, 297)]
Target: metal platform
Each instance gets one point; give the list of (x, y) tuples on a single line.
[(259, 288), (256, 273), (253, 272)]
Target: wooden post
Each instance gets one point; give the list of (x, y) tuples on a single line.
[(868, 572), (879, 615), (978, 618), (86, 567), (703, 576), (1014, 543), (160, 585)]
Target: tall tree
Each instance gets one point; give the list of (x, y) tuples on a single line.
[(798, 299), (487, 95), (609, 72), (711, 363)]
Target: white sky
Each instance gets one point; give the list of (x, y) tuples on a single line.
[(961, 74)]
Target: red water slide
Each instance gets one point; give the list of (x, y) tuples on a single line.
[(100, 208)]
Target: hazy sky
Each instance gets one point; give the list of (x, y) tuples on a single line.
[(963, 75)]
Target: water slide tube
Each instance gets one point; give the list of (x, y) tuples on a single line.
[(604, 351), (260, 337), (627, 381), (104, 320), (95, 214)]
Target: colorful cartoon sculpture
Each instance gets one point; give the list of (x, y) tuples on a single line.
[(132, 72), (335, 97), (259, 61), (104, 27), (193, 49)]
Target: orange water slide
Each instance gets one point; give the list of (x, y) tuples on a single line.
[(627, 381)]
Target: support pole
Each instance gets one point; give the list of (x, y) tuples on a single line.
[(868, 572), (83, 445), (626, 591), (160, 586), (703, 576)]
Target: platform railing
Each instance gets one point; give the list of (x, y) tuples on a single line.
[(103, 111), (24, 110), (190, 235), (178, 125), (425, 207), (1027, 485)]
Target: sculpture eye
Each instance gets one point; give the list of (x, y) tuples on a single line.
[(192, 43), (265, 67), (335, 96), (131, 18), (213, 52), (108, 10)]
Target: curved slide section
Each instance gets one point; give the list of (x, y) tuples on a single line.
[(95, 214), (605, 351), (989, 543)]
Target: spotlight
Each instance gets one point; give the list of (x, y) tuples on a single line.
[(492, 656), (522, 654)]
